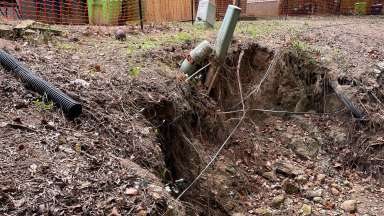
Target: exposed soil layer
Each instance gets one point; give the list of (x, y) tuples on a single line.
[(293, 82)]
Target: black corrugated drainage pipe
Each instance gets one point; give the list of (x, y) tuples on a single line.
[(70, 107)]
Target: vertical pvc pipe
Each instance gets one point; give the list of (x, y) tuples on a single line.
[(224, 38)]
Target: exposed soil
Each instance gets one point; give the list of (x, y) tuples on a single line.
[(145, 133)]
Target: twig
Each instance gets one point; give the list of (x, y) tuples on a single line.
[(213, 79), (197, 72), (21, 127)]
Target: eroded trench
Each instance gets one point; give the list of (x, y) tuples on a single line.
[(192, 129)]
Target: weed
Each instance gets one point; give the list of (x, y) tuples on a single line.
[(43, 105), (149, 44), (180, 37), (301, 46), (165, 174), (64, 46), (258, 29), (135, 71), (306, 49)]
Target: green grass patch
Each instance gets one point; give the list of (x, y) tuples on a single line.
[(258, 29), (41, 104), (65, 46)]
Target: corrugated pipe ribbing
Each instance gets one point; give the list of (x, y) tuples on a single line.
[(70, 107)]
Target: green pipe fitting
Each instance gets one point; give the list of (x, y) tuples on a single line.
[(196, 57)]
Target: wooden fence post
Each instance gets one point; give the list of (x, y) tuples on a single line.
[(141, 15), (192, 5)]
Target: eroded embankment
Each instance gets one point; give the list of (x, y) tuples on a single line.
[(192, 127)]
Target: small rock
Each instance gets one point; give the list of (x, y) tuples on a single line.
[(131, 191), (80, 82), (380, 66), (306, 209), (114, 212), (271, 176), (73, 38), (33, 168), (301, 179), (376, 71), (75, 57), (314, 193), (349, 206), (263, 212), (238, 214), (287, 169), (142, 213), (290, 187), (278, 201), (317, 199), (347, 183), (305, 147), (321, 178), (335, 185), (329, 205), (120, 34), (335, 192)]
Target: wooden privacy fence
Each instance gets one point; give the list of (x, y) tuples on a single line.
[(168, 10)]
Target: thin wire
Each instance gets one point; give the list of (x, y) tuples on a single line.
[(227, 139), (197, 72), (269, 70), (283, 111)]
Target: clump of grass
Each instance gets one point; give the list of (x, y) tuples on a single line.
[(306, 50), (135, 71), (42, 105), (143, 44), (301, 46), (65, 46), (180, 37), (258, 29)]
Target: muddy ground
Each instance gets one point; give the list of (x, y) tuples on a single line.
[(146, 133)]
